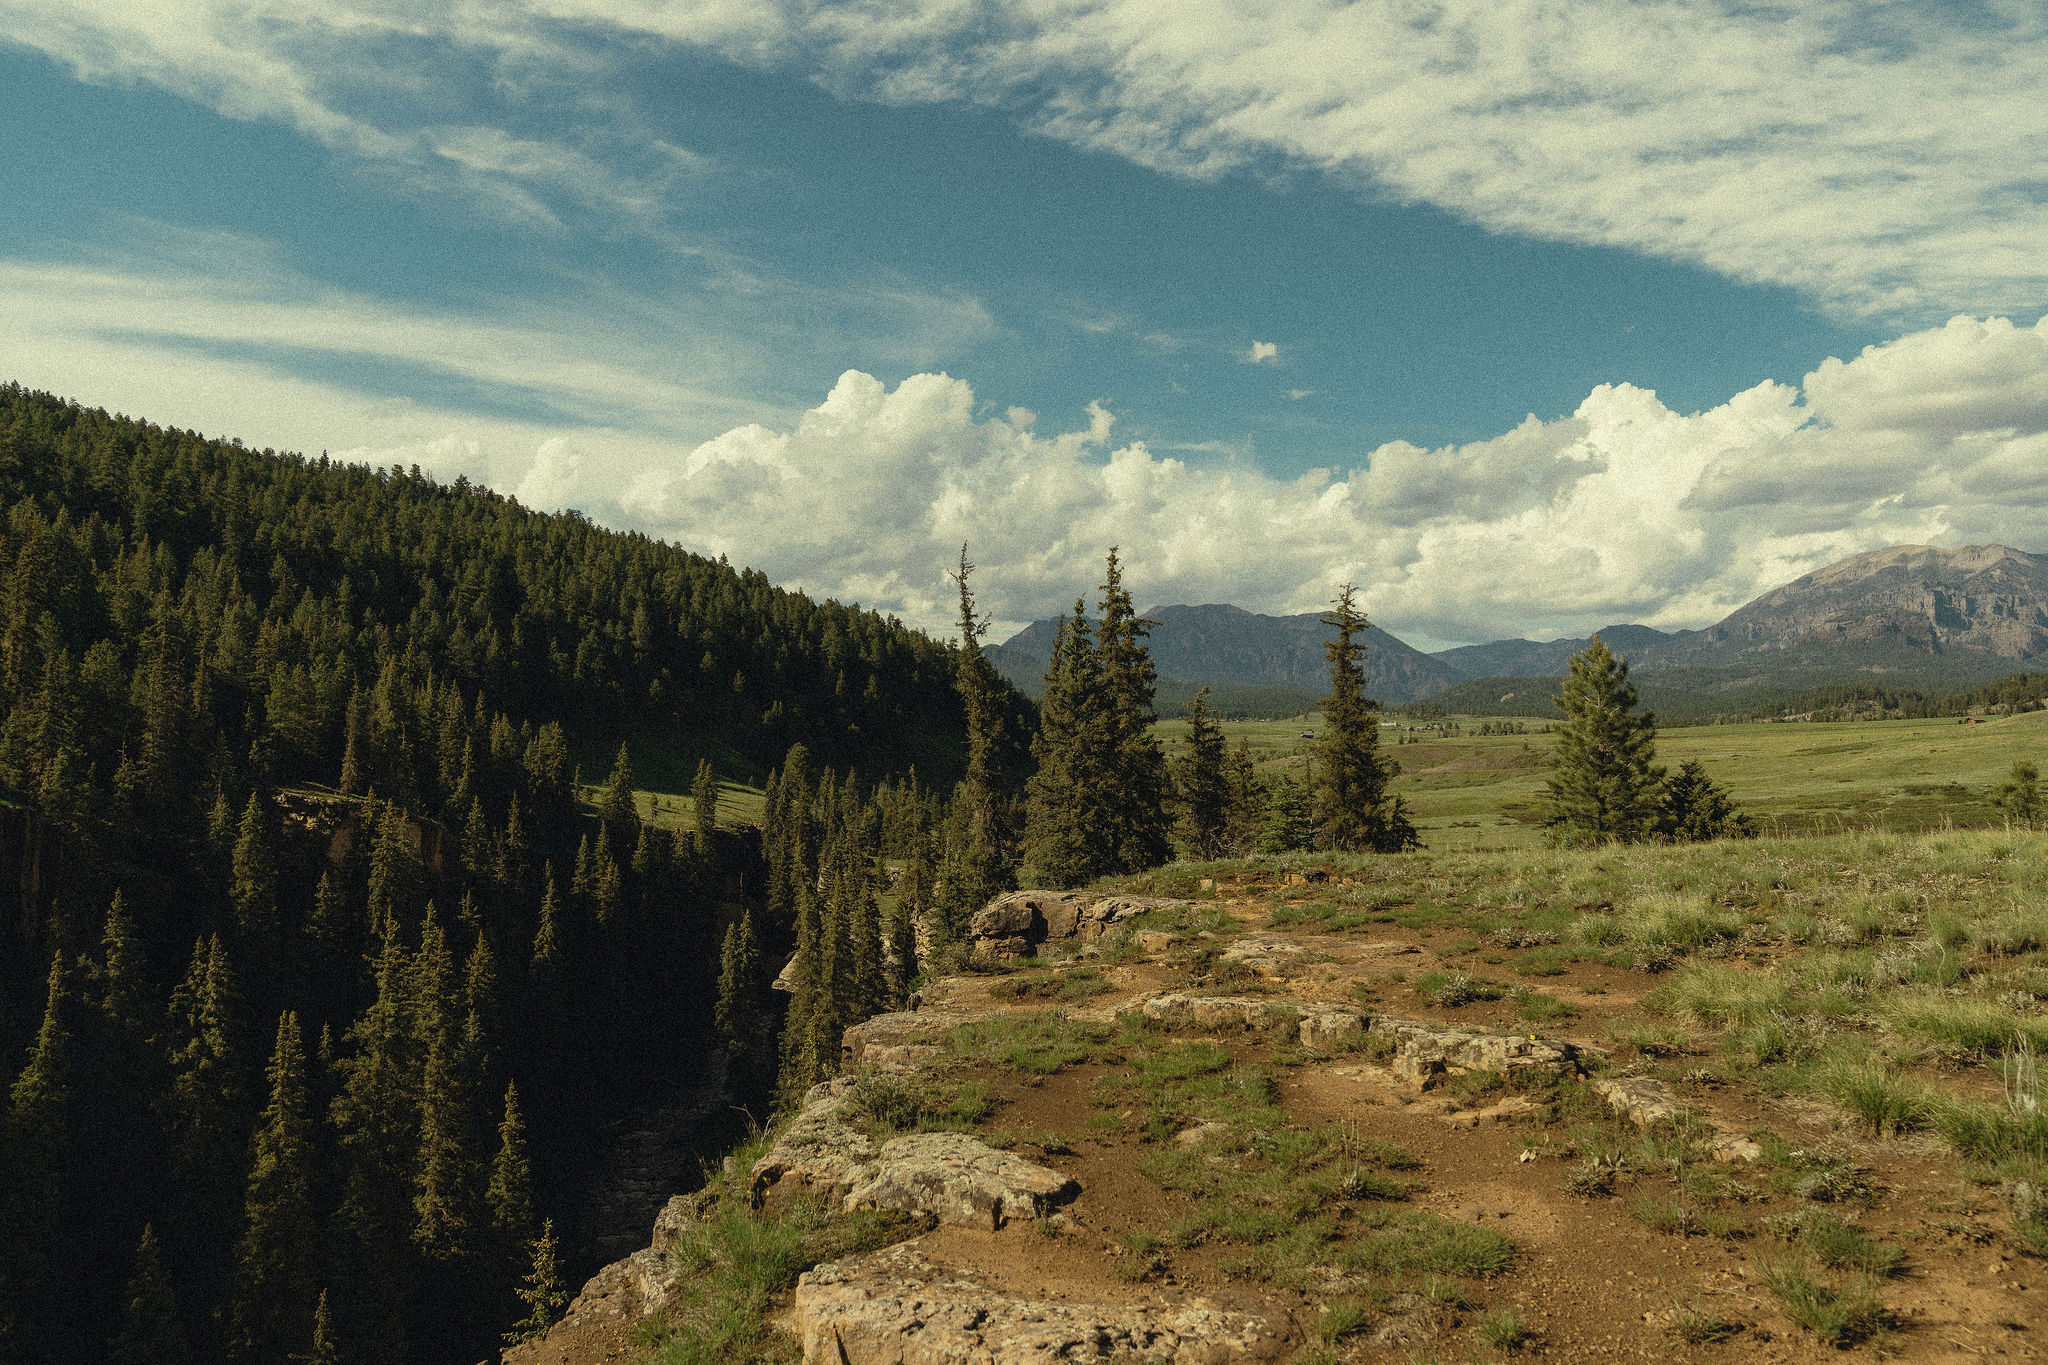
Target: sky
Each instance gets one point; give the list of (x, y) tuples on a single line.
[(1524, 316)]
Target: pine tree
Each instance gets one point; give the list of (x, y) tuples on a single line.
[(323, 1349), (38, 1136), (1247, 802), (899, 947), (1351, 808), (1287, 825), (1606, 787), (616, 807), (377, 1117), (1139, 821), (510, 1194), (444, 1190), (1200, 788), (982, 863), (151, 1333), (544, 1294), (253, 890), (275, 1298), (547, 939), (1697, 808), (739, 1016), (704, 804), (209, 1123), (1070, 798)]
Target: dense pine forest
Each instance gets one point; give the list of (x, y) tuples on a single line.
[(320, 973)]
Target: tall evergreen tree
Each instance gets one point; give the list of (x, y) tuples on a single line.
[(510, 1194), (617, 806), (150, 1332), (1139, 819), (1352, 809), (1070, 799), (325, 1347), (276, 1284), (1606, 787), (444, 1186), (1201, 788), (704, 804), (982, 863), (740, 1018), (37, 1141), (544, 1294), (254, 888), (209, 1124)]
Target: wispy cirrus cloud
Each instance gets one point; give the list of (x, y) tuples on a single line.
[(1882, 160)]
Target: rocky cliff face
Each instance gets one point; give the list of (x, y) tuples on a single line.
[(1986, 598)]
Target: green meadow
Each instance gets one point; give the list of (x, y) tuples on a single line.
[(1468, 789)]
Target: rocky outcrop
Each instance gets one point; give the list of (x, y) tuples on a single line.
[(1424, 1053), (948, 1176), (1022, 923), (1646, 1102), (903, 1041), (893, 1307), (958, 1180)]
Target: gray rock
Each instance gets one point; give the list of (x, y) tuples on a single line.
[(888, 1037), (894, 1308), (1424, 1052), (1020, 923), (1326, 1029), (957, 1180), (951, 1176)]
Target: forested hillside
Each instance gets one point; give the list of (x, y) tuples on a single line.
[(316, 973)]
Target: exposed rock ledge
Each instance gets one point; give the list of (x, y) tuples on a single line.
[(892, 1307), (1022, 922), (1422, 1053), (951, 1176)]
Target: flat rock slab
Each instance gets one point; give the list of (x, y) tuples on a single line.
[(893, 1307), (951, 1176), (1425, 1052), (1324, 1028), (958, 1180)]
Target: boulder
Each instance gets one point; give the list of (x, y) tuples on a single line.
[(1208, 1013), (893, 1042), (893, 1307), (626, 1290), (952, 1177), (957, 1180), (1020, 923), (1423, 1052)]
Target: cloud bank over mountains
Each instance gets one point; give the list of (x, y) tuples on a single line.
[(1884, 160), (1623, 510)]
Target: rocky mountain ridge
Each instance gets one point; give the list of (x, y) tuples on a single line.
[(1920, 613)]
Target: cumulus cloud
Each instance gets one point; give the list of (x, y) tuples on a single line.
[(1622, 510), (1884, 160), (1261, 352)]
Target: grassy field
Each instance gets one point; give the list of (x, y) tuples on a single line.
[(1469, 790)]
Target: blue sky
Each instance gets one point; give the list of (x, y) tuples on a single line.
[(1265, 295)]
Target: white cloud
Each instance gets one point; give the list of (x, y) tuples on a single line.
[(1883, 160), (1623, 510), (1298, 394), (1260, 353)]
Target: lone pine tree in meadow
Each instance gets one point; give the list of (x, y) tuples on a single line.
[(1136, 820), (1697, 808), (1607, 787), (1350, 807)]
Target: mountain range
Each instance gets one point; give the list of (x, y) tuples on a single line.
[(1908, 615)]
